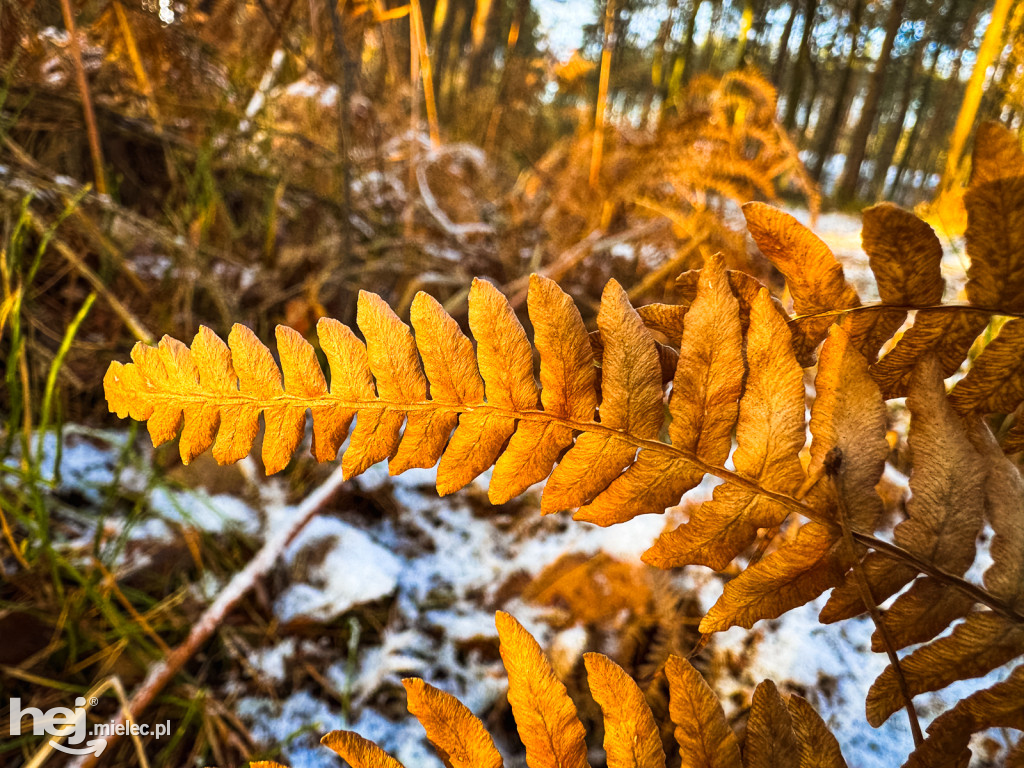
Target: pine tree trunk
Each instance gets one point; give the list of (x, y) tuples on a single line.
[(847, 190), (925, 99), (802, 62), (828, 132), (659, 75), (894, 130), (780, 61)]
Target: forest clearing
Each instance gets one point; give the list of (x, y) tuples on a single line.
[(548, 383)]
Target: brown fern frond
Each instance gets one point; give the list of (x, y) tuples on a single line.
[(779, 731)]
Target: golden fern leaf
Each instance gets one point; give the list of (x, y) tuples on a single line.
[(265, 764), (631, 403), (994, 203), (505, 360), (568, 391), (814, 277), (357, 751), (709, 379), (631, 737), (704, 737), (817, 747), (744, 287), (995, 382), (1000, 706), (770, 433), (789, 577), (458, 736), (545, 715), (770, 740), (849, 414)]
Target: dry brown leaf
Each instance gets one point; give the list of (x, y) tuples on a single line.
[(789, 577), (816, 745), (357, 751), (704, 737), (770, 433), (458, 735), (944, 514), (814, 277), (848, 413), (770, 740), (921, 613), (631, 737), (995, 382), (1004, 509), (976, 646), (995, 237), (998, 154), (948, 335), (1000, 706), (905, 256), (884, 575), (667, 319), (545, 715)]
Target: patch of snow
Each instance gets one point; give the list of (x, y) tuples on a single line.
[(270, 662), (353, 570)]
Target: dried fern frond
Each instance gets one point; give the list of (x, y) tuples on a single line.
[(779, 732)]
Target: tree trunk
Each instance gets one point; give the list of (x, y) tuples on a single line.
[(689, 56), (858, 144), (780, 61), (658, 72), (894, 130), (990, 47), (828, 132), (803, 59), (925, 99), (707, 55)]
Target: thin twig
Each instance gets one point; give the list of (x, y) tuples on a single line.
[(833, 465), (83, 89), (163, 671)]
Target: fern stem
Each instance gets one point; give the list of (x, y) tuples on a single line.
[(833, 465), (890, 549), (877, 306)]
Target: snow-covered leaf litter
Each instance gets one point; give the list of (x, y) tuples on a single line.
[(443, 564)]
